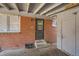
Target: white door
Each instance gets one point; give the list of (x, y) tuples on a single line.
[(68, 30), (77, 34)]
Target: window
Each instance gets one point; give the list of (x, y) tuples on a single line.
[(54, 23), (54, 20), (9, 23), (14, 24), (3, 24)]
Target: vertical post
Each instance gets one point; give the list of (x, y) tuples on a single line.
[(61, 34), (75, 13)]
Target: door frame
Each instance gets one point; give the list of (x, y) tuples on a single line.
[(36, 28)]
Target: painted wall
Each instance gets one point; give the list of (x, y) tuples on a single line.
[(59, 31), (68, 32), (27, 34), (77, 34)]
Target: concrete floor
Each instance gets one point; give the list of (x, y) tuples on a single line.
[(48, 51)]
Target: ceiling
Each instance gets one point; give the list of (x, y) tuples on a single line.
[(39, 10)]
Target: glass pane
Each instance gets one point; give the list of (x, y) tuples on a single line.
[(14, 24), (3, 23), (40, 22), (40, 27)]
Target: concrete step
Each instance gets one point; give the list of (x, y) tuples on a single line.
[(41, 43)]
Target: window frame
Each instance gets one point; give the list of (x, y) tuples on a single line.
[(8, 30)]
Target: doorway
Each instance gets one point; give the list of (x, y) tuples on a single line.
[(39, 29)]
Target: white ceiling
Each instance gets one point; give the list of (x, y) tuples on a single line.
[(40, 10)]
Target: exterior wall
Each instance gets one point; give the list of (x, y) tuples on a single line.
[(68, 32), (27, 34), (49, 31), (77, 34)]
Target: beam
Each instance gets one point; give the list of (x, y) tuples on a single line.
[(29, 14), (20, 7), (66, 7), (56, 11), (4, 6), (15, 6), (28, 4), (51, 7), (38, 8), (26, 7)]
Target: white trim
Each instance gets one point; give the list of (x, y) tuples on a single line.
[(15, 6), (28, 4), (52, 7), (41, 5)]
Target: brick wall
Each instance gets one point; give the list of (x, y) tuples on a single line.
[(27, 34), (49, 31)]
